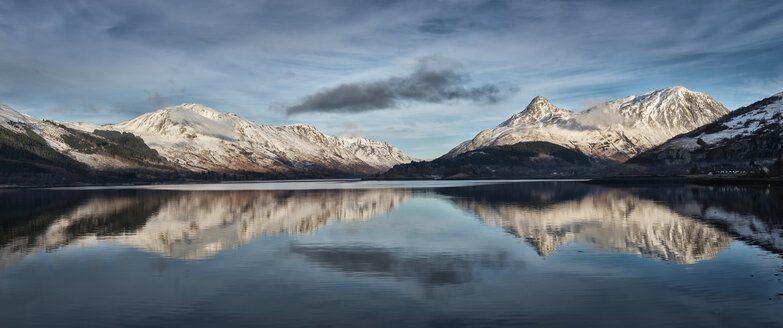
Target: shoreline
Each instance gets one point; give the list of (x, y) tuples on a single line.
[(607, 181)]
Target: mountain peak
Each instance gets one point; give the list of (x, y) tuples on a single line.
[(779, 94), (199, 109), (675, 88), (540, 110), (540, 107), (539, 102), (616, 130)]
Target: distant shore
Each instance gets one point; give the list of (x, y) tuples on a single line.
[(705, 180)]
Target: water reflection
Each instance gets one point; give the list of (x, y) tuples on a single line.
[(608, 218), (521, 254), (753, 215), (678, 224), (189, 225), (428, 269)]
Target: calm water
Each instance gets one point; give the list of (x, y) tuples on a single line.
[(392, 254)]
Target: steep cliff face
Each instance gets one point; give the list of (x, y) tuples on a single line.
[(615, 130)]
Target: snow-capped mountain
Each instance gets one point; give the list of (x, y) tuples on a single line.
[(54, 144), (200, 138), (193, 137), (616, 130), (751, 133)]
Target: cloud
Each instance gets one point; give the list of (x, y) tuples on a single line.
[(57, 109), (430, 82), (155, 100), (87, 107), (591, 102)]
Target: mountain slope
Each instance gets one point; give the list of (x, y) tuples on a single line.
[(535, 158), (40, 151), (615, 130), (200, 138), (24, 152), (751, 133)]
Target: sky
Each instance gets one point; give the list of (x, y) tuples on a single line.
[(422, 75)]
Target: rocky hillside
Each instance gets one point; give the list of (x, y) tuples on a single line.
[(748, 139), (35, 151)]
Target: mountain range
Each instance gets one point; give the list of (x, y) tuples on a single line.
[(185, 140), (669, 131), (642, 134), (615, 130)]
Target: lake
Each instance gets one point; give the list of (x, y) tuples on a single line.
[(392, 254)]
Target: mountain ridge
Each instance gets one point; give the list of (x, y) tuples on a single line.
[(201, 140), (173, 131), (617, 130), (749, 137)]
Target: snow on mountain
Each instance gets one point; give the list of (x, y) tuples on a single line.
[(753, 133), (201, 139), (616, 130), (9, 115), (55, 135)]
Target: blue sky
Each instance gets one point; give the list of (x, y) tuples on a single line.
[(423, 75)]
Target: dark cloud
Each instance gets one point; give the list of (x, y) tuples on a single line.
[(89, 107), (429, 82), (156, 100)]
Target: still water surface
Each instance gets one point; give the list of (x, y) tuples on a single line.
[(441, 254)]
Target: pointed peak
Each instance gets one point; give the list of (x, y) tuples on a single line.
[(540, 105), (539, 100), (539, 110)]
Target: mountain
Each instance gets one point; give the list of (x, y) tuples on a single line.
[(534, 158), (201, 139), (189, 140), (746, 139), (41, 151), (616, 130)]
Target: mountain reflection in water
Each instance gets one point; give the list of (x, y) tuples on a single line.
[(528, 253), (682, 225), (192, 225)]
